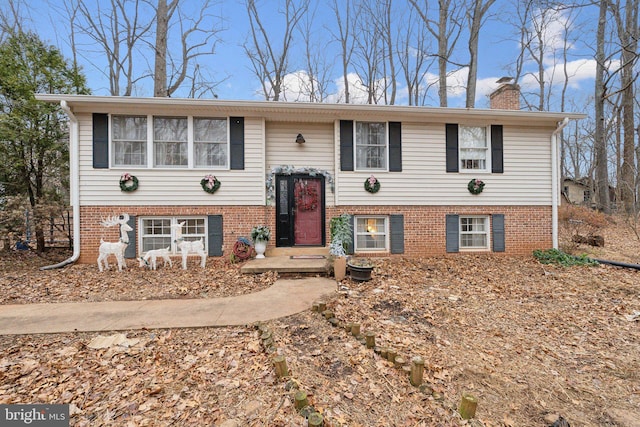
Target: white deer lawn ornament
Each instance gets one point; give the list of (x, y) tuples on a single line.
[(187, 247), (115, 248), (151, 257)]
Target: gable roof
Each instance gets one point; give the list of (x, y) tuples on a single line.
[(301, 111)]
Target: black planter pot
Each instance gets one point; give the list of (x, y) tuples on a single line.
[(360, 273)]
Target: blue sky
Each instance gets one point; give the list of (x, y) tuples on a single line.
[(230, 65)]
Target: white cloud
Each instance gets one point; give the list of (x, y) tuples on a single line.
[(578, 71), (358, 92)]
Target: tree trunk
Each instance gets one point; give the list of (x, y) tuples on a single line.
[(160, 69), (629, 39), (479, 11), (442, 53), (600, 143)]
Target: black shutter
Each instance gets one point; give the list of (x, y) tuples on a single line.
[(352, 245), (397, 233), (497, 229), (215, 235), (236, 136), (453, 227), (346, 145), (497, 164), (100, 141), (395, 147), (452, 147), (130, 251)]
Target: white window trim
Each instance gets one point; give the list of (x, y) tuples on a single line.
[(190, 141), (193, 141), (487, 232), (174, 220), (386, 233), (151, 148), (488, 159), (355, 146), (153, 142), (112, 150)]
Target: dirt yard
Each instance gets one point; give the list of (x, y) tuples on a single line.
[(531, 342)]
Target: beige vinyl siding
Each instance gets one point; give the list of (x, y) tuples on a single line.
[(423, 181), (174, 186), (317, 152)]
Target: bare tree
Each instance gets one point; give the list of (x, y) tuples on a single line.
[(476, 14), (118, 28), (600, 143), (626, 22), (446, 29), (369, 56), (384, 24), (164, 12), (345, 38), (373, 53), (271, 64), (197, 38), (314, 83), (11, 18), (413, 58)]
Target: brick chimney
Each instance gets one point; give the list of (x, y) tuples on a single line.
[(506, 96)]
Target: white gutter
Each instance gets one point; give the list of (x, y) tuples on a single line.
[(74, 138), (555, 181)]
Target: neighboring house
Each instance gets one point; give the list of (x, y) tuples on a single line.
[(577, 191), (423, 158), (581, 192)]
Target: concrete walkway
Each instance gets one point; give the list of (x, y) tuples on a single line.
[(284, 298)]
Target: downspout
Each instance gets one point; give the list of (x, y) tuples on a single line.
[(74, 138), (555, 181)]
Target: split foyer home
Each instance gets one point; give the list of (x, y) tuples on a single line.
[(448, 179)]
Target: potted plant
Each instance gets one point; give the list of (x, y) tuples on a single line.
[(360, 269), (260, 235), (341, 239)]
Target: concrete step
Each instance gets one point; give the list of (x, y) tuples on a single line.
[(298, 250), (286, 264)]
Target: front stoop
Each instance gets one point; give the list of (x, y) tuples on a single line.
[(279, 259)]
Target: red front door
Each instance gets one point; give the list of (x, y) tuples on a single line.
[(299, 210), (307, 197)]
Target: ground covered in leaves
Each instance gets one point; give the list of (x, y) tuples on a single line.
[(531, 342)]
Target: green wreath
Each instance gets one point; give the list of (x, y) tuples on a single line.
[(371, 184), (128, 182), (475, 186), (210, 184)]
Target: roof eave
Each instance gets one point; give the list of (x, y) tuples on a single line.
[(302, 110)]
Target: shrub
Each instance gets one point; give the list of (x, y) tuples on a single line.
[(341, 234), (555, 256), (578, 223)]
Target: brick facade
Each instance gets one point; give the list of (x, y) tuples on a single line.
[(526, 227)]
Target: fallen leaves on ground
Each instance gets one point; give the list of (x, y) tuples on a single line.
[(531, 342), (23, 283)]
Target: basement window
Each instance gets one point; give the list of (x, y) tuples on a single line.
[(158, 233), (371, 234)]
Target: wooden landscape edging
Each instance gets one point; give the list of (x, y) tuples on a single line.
[(299, 397), (413, 371)]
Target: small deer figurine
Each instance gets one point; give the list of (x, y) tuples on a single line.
[(115, 248), (151, 257), (187, 247)]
